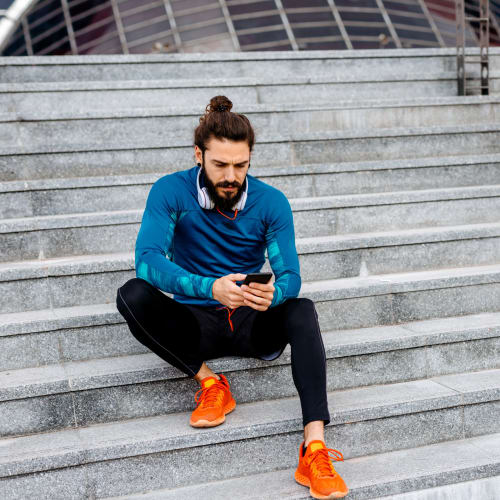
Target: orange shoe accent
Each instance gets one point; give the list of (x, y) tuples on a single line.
[(316, 470), (214, 402)]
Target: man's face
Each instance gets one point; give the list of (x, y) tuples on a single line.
[(225, 165)]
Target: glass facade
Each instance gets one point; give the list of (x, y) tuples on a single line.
[(139, 27)]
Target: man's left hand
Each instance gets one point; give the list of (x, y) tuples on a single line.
[(258, 295)]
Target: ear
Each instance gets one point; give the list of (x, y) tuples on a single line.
[(197, 154)]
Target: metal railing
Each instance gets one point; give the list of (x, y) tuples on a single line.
[(483, 21)]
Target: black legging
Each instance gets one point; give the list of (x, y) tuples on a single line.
[(186, 335)]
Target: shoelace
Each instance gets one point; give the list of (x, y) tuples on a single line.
[(210, 396), (321, 461)]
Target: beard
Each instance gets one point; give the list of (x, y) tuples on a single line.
[(229, 199)]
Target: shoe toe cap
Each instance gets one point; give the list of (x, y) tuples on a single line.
[(328, 485)]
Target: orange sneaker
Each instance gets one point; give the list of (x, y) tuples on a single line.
[(316, 470), (214, 402)]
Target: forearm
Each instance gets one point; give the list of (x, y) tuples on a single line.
[(168, 276), (287, 286)]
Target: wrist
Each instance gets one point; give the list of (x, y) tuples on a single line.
[(214, 289)]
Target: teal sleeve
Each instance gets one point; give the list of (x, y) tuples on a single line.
[(154, 243), (281, 251)]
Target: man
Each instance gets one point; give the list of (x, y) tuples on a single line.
[(214, 222)]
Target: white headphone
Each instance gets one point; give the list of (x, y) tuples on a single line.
[(206, 202)]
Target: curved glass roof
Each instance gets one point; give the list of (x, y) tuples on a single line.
[(135, 26)]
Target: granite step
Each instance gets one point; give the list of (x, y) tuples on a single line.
[(399, 297), (111, 232), (88, 412), (257, 64), (97, 194), (50, 336), (24, 162), (382, 299), (270, 88), (142, 384), (117, 129), (459, 469), (72, 463), (63, 282)]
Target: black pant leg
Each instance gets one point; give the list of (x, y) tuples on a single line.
[(296, 321), (162, 324)]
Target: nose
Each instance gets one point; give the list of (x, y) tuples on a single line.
[(230, 175)]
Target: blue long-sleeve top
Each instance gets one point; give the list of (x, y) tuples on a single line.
[(183, 248)]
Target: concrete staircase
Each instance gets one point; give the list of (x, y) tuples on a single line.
[(394, 182)]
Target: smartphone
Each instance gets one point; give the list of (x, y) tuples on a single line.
[(257, 278)]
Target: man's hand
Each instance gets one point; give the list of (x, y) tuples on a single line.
[(227, 292), (258, 295)]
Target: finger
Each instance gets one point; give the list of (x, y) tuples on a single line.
[(262, 286), (236, 277), (267, 295), (254, 298), (254, 291), (236, 298), (255, 306), (236, 290)]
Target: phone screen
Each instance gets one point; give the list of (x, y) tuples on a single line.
[(257, 278)]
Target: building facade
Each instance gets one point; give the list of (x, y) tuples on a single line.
[(133, 26)]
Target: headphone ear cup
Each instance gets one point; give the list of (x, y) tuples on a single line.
[(203, 197), (242, 201), (205, 200)]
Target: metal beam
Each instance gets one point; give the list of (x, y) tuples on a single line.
[(12, 18), (119, 26), (434, 27), (286, 24), (388, 21), (340, 24), (230, 25), (69, 27), (173, 25), (27, 36)]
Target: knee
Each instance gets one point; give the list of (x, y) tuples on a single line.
[(133, 293), (301, 306), (301, 312)]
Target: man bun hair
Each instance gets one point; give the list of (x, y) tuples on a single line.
[(220, 122), (218, 103)]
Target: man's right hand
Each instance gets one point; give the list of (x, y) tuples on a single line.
[(227, 292)]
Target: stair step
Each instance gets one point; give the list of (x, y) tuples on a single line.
[(53, 160), (118, 129), (400, 297), (367, 420), (257, 64), (382, 299), (109, 232), (75, 323), (270, 79), (64, 334), (65, 281), (138, 385), (46, 96), (398, 241), (463, 468), (95, 194), (180, 110)]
